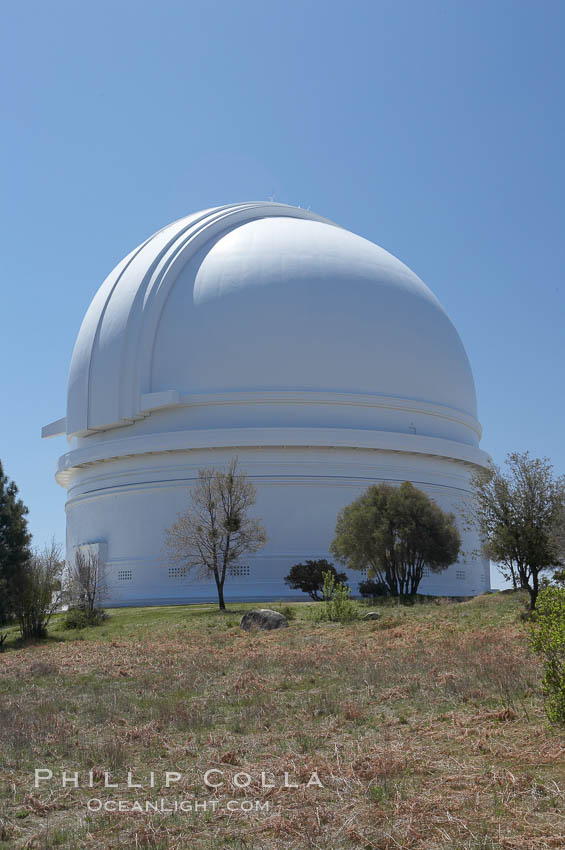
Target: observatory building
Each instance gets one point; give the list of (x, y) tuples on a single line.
[(267, 332)]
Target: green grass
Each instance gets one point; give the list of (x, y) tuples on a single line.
[(426, 727), (134, 623)]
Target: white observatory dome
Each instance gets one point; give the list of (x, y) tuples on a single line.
[(262, 297), (265, 331)]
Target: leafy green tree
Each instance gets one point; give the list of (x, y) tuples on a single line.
[(548, 639), (309, 577), (394, 533), (14, 545), (520, 514)]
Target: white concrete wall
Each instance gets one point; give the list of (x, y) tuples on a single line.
[(127, 503)]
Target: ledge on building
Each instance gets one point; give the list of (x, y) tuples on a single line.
[(54, 429)]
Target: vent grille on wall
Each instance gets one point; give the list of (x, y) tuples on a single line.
[(125, 575), (460, 574)]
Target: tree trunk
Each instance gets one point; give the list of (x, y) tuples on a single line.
[(533, 591), (221, 602)]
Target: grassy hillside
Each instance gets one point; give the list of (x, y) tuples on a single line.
[(425, 729)]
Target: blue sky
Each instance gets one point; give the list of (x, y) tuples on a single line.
[(435, 129)]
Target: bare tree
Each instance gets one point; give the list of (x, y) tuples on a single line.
[(39, 591), (215, 530), (521, 518), (86, 581)]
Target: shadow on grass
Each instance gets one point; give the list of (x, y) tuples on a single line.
[(16, 642)]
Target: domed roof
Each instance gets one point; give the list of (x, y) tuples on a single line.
[(262, 298)]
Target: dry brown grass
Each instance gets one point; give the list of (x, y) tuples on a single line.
[(425, 728)]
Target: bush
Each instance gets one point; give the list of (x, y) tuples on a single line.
[(548, 640), (371, 588), (337, 606), (81, 618), (38, 591), (309, 577)]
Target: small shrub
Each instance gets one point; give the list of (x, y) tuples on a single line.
[(80, 618), (337, 606), (37, 593), (309, 577), (372, 589), (547, 637)]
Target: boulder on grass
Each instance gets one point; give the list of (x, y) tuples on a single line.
[(263, 618), (372, 615)]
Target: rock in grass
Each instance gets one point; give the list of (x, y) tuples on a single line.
[(372, 615), (263, 618)]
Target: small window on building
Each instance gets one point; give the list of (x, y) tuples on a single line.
[(460, 574), (177, 572), (125, 575), (240, 570)]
